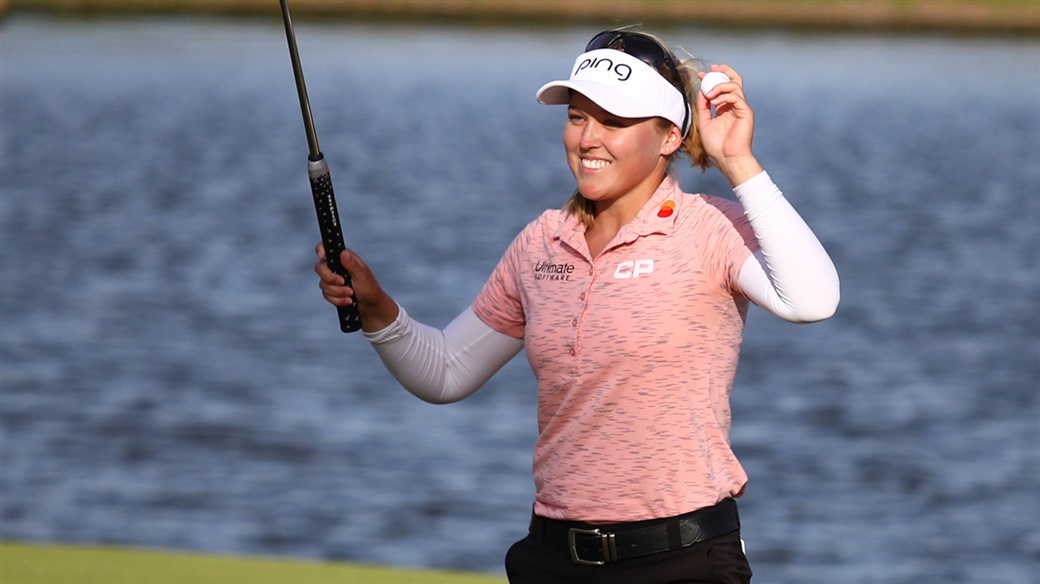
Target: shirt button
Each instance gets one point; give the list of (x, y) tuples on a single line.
[(574, 322), (582, 297), (573, 352)]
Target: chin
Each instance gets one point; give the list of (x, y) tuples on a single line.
[(592, 191)]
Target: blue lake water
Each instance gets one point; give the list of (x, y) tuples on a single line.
[(171, 377)]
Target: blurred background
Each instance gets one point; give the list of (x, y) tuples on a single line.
[(171, 377)]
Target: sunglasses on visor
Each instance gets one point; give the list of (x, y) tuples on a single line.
[(646, 49)]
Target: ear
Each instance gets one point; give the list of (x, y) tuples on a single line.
[(672, 141)]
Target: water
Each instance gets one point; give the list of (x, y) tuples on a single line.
[(171, 377)]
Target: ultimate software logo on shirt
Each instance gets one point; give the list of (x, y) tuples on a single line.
[(548, 271)]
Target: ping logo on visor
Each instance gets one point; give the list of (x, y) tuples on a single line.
[(623, 71), (623, 83)]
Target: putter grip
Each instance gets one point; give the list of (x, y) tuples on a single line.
[(331, 234)]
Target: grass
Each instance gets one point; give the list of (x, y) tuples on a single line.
[(971, 16), (22, 563)]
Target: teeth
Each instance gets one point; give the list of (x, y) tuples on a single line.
[(593, 164)]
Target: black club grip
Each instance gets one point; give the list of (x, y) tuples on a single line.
[(331, 234)]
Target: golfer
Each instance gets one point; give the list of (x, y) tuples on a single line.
[(630, 302)]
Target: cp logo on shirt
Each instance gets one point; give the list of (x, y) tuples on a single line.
[(633, 269)]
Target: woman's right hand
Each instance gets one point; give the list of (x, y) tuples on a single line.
[(377, 309)]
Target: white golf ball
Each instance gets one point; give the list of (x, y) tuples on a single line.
[(712, 79)]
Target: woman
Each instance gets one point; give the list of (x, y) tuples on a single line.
[(631, 304)]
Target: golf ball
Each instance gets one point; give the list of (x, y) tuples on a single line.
[(711, 79)]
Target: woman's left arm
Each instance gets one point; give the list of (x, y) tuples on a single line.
[(791, 275)]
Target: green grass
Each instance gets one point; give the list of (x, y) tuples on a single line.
[(973, 16), (63, 564)]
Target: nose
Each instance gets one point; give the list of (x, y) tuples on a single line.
[(590, 135)]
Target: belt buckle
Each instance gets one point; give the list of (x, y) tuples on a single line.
[(609, 546)]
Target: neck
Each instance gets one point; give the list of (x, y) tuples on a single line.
[(613, 214)]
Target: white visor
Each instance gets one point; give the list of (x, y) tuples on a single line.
[(621, 84)]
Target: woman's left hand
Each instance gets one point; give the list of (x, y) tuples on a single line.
[(727, 135)]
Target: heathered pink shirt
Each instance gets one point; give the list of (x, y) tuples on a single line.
[(635, 353)]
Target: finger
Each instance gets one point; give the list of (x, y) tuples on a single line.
[(360, 274), (730, 72), (319, 250), (321, 267), (331, 290), (335, 287), (339, 300), (722, 99), (734, 102), (348, 258), (326, 274), (726, 98), (703, 109)]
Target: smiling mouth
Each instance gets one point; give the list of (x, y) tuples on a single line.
[(593, 164)]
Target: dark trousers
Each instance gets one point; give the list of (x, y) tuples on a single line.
[(714, 561)]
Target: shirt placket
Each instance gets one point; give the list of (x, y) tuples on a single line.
[(583, 299)]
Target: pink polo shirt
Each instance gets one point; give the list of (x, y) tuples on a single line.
[(635, 352)]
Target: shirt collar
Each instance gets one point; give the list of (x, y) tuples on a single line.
[(658, 215)]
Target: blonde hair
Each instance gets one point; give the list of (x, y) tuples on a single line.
[(692, 146)]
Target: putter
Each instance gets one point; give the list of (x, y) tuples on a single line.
[(321, 184)]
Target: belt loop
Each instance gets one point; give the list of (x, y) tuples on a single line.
[(674, 534), (537, 528)]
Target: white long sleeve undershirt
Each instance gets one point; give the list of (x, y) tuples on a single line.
[(443, 366), (791, 276)]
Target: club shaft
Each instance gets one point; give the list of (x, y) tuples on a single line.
[(301, 84), (321, 185)]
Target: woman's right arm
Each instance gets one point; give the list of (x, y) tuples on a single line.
[(443, 366), (436, 366)]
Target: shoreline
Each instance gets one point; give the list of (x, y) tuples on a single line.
[(65, 563), (972, 17)]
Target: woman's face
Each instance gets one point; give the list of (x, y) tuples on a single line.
[(614, 157)]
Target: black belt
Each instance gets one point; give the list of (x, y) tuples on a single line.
[(595, 545)]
